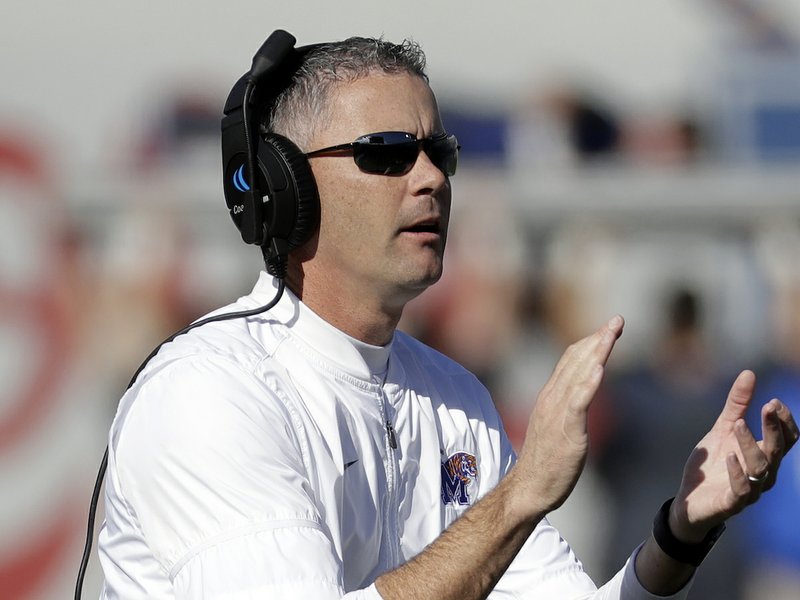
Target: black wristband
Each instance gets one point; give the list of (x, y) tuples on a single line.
[(692, 554)]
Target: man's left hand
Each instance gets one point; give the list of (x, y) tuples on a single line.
[(729, 469)]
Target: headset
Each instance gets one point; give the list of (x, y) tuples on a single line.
[(277, 210)]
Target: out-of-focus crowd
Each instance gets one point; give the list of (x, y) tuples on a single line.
[(566, 211)]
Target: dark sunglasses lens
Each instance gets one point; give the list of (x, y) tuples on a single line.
[(395, 152), (443, 153), (386, 159)]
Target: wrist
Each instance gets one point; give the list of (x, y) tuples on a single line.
[(679, 541), (678, 522), (521, 503)]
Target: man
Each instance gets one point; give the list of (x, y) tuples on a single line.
[(315, 452)]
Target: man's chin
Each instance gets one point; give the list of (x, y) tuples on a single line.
[(414, 286)]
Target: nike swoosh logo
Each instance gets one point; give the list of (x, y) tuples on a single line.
[(350, 464)]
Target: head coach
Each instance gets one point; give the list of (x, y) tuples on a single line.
[(296, 445)]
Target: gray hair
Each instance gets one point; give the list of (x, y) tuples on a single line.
[(303, 105)]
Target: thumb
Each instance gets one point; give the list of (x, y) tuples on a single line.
[(738, 398)]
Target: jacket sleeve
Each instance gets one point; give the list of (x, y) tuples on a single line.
[(213, 472)]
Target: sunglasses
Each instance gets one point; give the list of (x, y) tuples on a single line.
[(395, 152)]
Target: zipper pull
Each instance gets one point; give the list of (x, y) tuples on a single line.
[(390, 433)]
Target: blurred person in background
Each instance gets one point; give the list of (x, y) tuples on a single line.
[(655, 412), (563, 127), (314, 451)]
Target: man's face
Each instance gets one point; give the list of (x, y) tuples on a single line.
[(381, 234)]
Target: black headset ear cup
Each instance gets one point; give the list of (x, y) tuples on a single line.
[(295, 211)]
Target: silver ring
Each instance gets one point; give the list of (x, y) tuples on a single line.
[(760, 479)]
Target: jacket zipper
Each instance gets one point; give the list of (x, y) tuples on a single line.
[(390, 433), (390, 515)]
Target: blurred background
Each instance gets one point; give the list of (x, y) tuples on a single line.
[(623, 156)]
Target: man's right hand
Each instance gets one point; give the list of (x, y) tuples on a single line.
[(556, 442)]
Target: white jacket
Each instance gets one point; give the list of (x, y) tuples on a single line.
[(267, 458)]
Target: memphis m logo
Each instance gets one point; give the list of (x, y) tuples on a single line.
[(458, 471)]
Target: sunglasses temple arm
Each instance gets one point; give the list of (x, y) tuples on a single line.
[(330, 149)]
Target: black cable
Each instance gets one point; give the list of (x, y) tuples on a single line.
[(87, 549)]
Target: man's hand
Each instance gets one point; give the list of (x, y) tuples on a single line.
[(729, 469), (556, 443), (469, 558)]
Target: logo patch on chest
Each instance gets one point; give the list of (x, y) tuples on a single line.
[(458, 472)]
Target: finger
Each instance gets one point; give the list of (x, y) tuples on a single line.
[(788, 426), (599, 345), (738, 398), (773, 443), (579, 360), (756, 463), (609, 334), (740, 486), (582, 397)]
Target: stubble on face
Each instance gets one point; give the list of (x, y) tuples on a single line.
[(381, 238)]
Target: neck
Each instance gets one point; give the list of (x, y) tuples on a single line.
[(361, 314)]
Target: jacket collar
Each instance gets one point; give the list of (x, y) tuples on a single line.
[(358, 359)]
